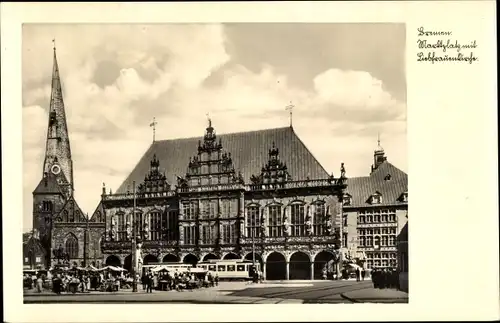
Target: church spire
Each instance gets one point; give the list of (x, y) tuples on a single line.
[(58, 152)]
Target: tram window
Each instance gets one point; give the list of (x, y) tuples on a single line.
[(230, 268), (221, 268), (240, 268), (211, 267)]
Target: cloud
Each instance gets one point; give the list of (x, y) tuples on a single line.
[(116, 78)]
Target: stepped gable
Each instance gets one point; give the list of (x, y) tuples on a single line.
[(249, 152), (390, 187)]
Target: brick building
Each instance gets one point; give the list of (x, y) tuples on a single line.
[(59, 221)]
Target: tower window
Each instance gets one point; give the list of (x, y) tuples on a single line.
[(47, 206)]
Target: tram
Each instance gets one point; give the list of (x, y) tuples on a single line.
[(170, 266), (234, 269)]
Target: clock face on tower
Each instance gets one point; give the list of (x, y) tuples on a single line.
[(55, 169)]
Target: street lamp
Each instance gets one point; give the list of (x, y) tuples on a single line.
[(253, 248), (134, 247)]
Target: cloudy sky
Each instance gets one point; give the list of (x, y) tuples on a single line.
[(347, 82)]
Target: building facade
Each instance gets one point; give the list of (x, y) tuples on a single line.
[(375, 210), (239, 193)]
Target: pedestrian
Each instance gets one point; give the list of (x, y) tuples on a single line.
[(374, 277), (216, 279), (358, 274), (324, 273), (57, 284), (363, 273), (155, 281), (149, 283), (384, 278), (39, 284)]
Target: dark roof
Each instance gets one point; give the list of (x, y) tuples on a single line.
[(361, 188), (249, 152), (48, 185), (34, 245)]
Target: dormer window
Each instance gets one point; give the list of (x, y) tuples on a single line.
[(346, 200), (376, 198), (404, 197), (387, 177)]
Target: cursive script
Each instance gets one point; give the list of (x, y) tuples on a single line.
[(444, 50)]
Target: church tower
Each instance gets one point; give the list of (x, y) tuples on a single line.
[(56, 184), (58, 160)]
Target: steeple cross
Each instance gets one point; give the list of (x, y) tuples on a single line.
[(153, 124), (290, 108), (54, 42)]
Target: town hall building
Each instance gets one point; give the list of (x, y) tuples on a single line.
[(249, 195)]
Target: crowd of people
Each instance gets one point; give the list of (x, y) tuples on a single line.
[(383, 278), (76, 281), (179, 281)]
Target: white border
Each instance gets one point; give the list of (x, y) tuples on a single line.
[(452, 161)]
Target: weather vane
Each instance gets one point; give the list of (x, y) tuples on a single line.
[(209, 120), (153, 124), (290, 108)]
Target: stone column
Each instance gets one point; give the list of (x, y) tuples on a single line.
[(312, 270), (264, 272), (287, 277)]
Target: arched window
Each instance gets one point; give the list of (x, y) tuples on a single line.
[(253, 221), (121, 226), (318, 218), (297, 220), (98, 216), (65, 216), (71, 216), (275, 221), (72, 246)]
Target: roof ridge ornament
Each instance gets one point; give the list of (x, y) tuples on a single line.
[(290, 109)]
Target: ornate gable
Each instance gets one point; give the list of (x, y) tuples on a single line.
[(154, 180), (212, 165), (275, 171)]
